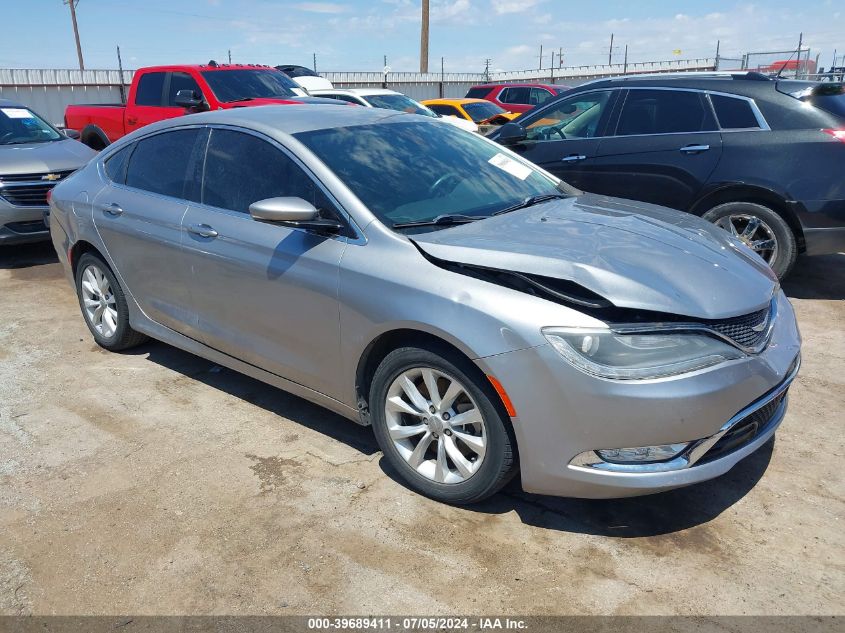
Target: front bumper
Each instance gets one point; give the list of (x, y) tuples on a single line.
[(564, 414), (22, 225)]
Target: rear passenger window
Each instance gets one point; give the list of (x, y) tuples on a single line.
[(733, 113), (160, 163), (515, 95), (150, 87), (664, 112), (115, 165), (241, 169)]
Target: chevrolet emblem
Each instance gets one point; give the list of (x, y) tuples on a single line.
[(51, 177)]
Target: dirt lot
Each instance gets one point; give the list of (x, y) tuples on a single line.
[(153, 482)]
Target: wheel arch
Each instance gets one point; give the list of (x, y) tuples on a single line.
[(94, 137), (376, 351), (79, 248), (755, 195)]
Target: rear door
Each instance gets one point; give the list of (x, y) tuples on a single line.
[(564, 138), (138, 215), (264, 293), (663, 147)]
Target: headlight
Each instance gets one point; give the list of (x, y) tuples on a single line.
[(604, 353)]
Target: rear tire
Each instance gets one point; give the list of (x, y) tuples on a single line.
[(758, 226), (459, 464), (104, 305)]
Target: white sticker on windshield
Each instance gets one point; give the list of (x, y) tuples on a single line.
[(17, 113), (514, 168)]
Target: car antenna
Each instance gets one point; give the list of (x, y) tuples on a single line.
[(786, 63)]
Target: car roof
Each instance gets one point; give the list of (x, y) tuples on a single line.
[(456, 101), (361, 92), (519, 85), (206, 67), (285, 120), (742, 83), (7, 103)]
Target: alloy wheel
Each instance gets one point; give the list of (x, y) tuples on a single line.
[(753, 232), (98, 301), (435, 425)]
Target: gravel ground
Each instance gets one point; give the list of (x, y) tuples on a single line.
[(153, 482)]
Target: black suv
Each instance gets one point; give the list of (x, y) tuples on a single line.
[(761, 157)]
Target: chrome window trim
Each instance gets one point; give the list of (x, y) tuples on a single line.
[(590, 460), (360, 237), (764, 126)]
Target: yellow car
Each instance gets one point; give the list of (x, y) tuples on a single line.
[(478, 111)]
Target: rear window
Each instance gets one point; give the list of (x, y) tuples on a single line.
[(828, 97), (478, 93), (150, 87), (733, 113)]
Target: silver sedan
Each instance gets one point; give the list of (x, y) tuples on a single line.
[(481, 315)]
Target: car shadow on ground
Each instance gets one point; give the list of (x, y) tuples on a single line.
[(633, 517), (820, 277), (26, 255), (641, 516), (269, 398)]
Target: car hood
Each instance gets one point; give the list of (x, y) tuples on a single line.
[(633, 254), (39, 158)]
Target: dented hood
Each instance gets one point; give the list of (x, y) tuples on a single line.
[(633, 254)]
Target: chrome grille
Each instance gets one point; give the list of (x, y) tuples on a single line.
[(29, 190), (745, 430), (742, 330)]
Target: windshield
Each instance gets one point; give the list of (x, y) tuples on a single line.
[(398, 102), (414, 171), (482, 111), (239, 85), (21, 125)]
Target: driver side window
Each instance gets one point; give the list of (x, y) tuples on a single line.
[(576, 117)]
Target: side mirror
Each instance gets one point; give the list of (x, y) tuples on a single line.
[(190, 100), (294, 212), (74, 134), (511, 133)]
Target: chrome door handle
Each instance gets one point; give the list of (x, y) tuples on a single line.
[(694, 149), (112, 208), (203, 230), (573, 158)]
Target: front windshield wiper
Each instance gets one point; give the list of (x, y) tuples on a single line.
[(441, 220), (530, 201)]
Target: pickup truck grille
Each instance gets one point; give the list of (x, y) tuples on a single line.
[(29, 190)]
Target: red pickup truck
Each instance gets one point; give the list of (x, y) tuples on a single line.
[(164, 92)]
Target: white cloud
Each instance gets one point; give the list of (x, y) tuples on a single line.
[(321, 7), (514, 6)]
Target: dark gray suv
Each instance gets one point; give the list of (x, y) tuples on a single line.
[(759, 156)]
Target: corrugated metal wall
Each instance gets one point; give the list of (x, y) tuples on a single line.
[(49, 91)]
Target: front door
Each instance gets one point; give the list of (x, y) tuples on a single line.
[(139, 218), (664, 148), (264, 293), (565, 138)]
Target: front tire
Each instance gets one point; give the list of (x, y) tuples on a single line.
[(761, 229), (440, 425), (104, 305)]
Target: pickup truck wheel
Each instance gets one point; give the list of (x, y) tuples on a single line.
[(761, 229)]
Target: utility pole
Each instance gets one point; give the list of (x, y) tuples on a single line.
[(625, 67), (230, 56), (541, 57), (442, 75), (315, 62), (610, 51), (72, 4), (120, 71), (798, 65), (424, 37), (718, 43), (487, 70), (560, 57)]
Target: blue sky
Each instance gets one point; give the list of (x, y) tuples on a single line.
[(355, 34)]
